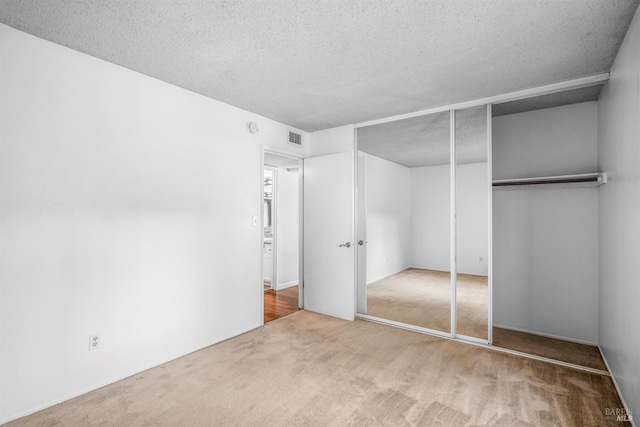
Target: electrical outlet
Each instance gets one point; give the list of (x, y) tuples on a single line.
[(94, 342)]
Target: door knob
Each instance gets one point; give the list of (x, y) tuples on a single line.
[(345, 245), (361, 242)]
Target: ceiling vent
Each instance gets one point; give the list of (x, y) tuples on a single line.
[(295, 138)]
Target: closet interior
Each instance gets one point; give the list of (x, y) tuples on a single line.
[(481, 224), (545, 238)]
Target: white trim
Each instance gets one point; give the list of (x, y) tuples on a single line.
[(274, 227), (261, 234), (406, 326), (615, 384), (361, 220), (281, 152), (392, 274), (476, 342), (543, 359), (430, 269), (286, 285), (121, 377), (542, 334), (499, 99), (472, 339), (273, 280), (452, 220), (446, 271), (301, 233), (490, 224), (354, 219)]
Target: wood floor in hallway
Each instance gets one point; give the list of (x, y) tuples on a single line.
[(280, 303)]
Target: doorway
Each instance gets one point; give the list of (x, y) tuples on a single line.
[(281, 249)]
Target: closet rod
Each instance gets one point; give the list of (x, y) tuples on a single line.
[(597, 178)]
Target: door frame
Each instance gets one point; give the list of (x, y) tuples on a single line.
[(274, 253), (283, 153)]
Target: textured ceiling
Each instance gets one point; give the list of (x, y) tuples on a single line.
[(424, 140), (319, 64)]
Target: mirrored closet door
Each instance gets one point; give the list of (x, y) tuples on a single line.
[(423, 217), (404, 222), (472, 196)]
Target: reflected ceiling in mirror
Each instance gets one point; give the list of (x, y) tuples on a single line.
[(471, 135), (423, 140)]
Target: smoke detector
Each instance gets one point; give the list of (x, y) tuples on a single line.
[(253, 127)]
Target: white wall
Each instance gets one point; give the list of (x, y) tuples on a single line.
[(619, 210), (388, 223), (331, 141), (431, 218), (545, 245), (118, 217), (552, 141), (472, 218), (287, 227)]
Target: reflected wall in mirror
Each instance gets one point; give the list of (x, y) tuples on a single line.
[(404, 221), (472, 222)]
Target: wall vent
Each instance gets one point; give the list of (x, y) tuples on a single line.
[(295, 138)]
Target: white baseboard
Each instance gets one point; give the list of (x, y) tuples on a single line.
[(542, 334), (116, 379), (423, 268), (449, 271), (286, 285), (388, 275), (615, 384), (429, 268)]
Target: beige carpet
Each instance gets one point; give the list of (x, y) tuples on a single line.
[(312, 370), (423, 298)]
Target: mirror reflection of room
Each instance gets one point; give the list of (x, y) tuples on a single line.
[(472, 222), (404, 217)]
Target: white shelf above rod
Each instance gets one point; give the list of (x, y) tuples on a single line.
[(579, 180)]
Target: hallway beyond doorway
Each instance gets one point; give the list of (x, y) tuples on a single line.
[(280, 303)]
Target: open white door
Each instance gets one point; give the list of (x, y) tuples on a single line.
[(329, 250)]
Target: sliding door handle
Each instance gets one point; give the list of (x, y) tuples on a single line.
[(345, 245)]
